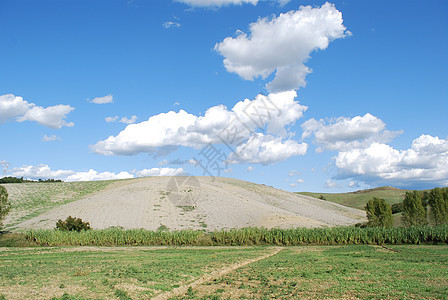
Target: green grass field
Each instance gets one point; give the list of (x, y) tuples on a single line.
[(359, 199), (356, 271)]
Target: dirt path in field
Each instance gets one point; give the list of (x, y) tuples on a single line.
[(213, 275)]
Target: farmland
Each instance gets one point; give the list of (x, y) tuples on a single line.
[(361, 271)]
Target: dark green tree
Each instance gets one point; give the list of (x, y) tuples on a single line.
[(379, 213), (414, 209), (72, 224), (5, 205), (438, 202)]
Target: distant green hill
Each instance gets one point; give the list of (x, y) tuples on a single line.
[(359, 199)]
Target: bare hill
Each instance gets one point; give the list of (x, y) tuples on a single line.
[(196, 203)]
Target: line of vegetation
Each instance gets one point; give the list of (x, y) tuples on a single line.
[(21, 180), (418, 208), (5, 205), (242, 237)]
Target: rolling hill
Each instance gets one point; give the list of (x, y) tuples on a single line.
[(171, 202), (359, 199)]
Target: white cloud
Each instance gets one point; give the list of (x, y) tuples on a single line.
[(292, 173), (103, 100), (50, 138), (132, 120), (44, 171), (266, 149), (40, 171), (171, 24), (293, 184), (123, 120), (219, 3), (93, 175), (166, 131), (160, 172), (111, 119), (424, 164), (330, 184), (15, 107), (249, 169), (347, 133), (176, 103), (282, 45), (300, 181), (51, 117)]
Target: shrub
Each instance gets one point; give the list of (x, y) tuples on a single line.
[(414, 210), (379, 213), (5, 205), (72, 224)]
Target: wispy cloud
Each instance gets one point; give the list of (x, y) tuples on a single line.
[(171, 24), (51, 138), (102, 100), (124, 120)]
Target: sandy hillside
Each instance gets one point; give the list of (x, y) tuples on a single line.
[(197, 203)]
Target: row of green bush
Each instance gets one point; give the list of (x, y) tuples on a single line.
[(244, 236), (418, 208)]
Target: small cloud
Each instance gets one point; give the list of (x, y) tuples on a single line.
[(51, 138), (163, 162), (229, 170), (111, 119), (300, 181), (293, 184), (249, 169), (171, 24), (330, 184), (176, 103), (102, 100), (132, 120), (353, 184), (292, 173)]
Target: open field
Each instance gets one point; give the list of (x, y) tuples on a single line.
[(175, 203), (356, 271), (359, 199)]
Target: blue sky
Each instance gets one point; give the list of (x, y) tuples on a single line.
[(359, 90)]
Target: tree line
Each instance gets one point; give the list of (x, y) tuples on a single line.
[(417, 208), (21, 180)]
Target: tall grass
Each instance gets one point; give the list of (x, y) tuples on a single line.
[(244, 236)]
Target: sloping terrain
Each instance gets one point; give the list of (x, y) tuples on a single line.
[(195, 203), (359, 199)]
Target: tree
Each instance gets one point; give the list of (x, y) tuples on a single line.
[(414, 209), (438, 202), (379, 213), (5, 205), (72, 224)]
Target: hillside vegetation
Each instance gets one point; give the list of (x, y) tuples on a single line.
[(30, 199), (359, 199)]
